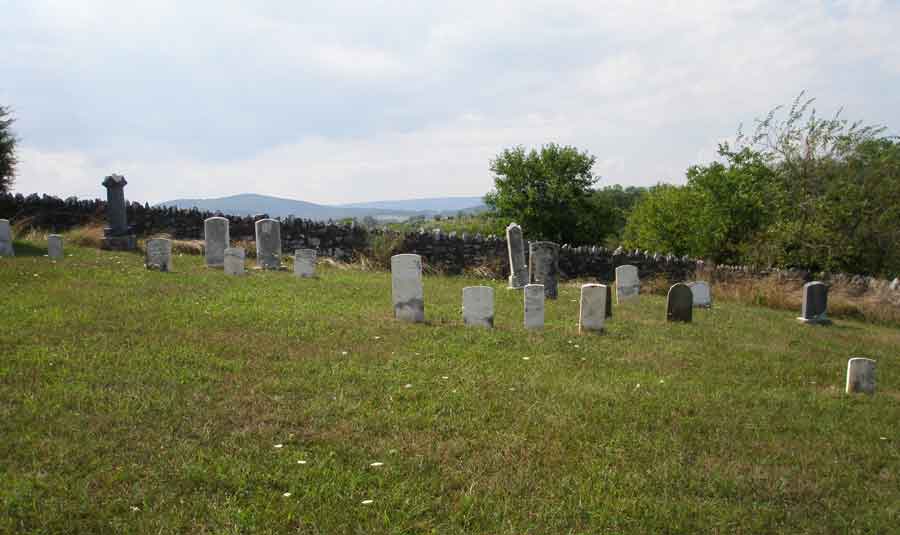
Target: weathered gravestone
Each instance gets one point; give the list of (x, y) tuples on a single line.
[(860, 376), (534, 306), (217, 237), (6, 242), (628, 284), (592, 311), (268, 244), (701, 293), (518, 269), (55, 247), (234, 260), (305, 263), (543, 266), (680, 303), (159, 254), (815, 303), (117, 236), (478, 306), (406, 287)]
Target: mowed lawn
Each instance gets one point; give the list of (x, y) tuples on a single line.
[(190, 402)]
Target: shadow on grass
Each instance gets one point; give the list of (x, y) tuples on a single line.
[(23, 248)]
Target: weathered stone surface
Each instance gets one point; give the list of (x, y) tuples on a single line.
[(406, 287), (680, 303), (305, 263), (117, 236), (628, 284), (534, 306), (159, 254), (860, 376), (478, 306), (815, 303), (234, 260), (609, 300), (217, 238), (55, 247), (544, 266), (702, 295), (6, 242), (268, 244), (518, 269), (592, 312)]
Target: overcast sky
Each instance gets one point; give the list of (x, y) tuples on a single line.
[(340, 102)]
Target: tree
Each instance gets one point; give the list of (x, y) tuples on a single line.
[(547, 192), (7, 151), (663, 221)]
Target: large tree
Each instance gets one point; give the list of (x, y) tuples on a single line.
[(7, 150), (547, 191)]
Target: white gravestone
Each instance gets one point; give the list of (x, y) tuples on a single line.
[(55, 247), (478, 306), (305, 263), (159, 254), (234, 260), (534, 306), (268, 244), (592, 312), (701, 293), (6, 242), (406, 288), (518, 269), (860, 376), (628, 284), (216, 237)]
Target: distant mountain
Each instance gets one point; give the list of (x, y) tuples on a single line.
[(250, 204)]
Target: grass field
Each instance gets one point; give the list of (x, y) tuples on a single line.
[(190, 402)]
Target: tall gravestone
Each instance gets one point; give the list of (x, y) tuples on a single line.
[(815, 303), (234, 260), (628, 284), (534, 306), (592, 311), (543, 266), (609, 302), (518, 269), (217, 238), (117, 236), (406, 288), (55, 247), (478, 306), (159, 254), (305, 263), (860, 376), (6, 241), (680, 303), (268, 244), (702, 295)]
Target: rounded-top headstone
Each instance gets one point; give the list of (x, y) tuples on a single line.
[(234, 260), (702, 295), (534, 306), (55, 247), (680, 303), (860, 376), (478, 306), (815, 303), (592, 311), (543, 263), (217, 238), (406, 288), (268, 244), (628, 283), (159, 254), (305, 263)]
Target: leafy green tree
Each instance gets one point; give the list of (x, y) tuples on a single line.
[(547, 191), (611, 206), (663, 220), (7, 150)]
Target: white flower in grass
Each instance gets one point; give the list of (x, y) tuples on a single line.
[(576, 346), (344, 353), (301, 462), (367, 502), (376, 464), (883, 438), (287, 494), (135, 509), (444, 377), (526, 358), (407, 385), (378, 338), (279, 446)]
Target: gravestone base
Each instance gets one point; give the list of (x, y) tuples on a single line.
[(815, 321), (119, 243)]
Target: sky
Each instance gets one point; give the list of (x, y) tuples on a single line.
[(338, 102)]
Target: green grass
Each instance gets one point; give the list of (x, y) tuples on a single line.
[(142, 402)]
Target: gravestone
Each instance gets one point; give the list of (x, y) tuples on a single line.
[(305, 263), (609, 302), (55, 247), (680, 303), (592, 311), (406, 288), (478, 306), (543, 266), (815, 303), (518, 269), (534, 306), (268, 244), (234, 260), (217, 237), (6, 241), (628, 284), (117, 236), (860, 376), (159, 254), (701, 293)]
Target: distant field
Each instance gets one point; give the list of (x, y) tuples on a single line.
[(189, 402)]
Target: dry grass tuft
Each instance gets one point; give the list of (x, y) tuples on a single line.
[(89, 236)]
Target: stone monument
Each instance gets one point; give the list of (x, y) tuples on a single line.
[(118, 235), (701, 294), (305, 263), (406, 288), (478, 306), (680, 303), (592, 311), (543, 266), (534, 306), (234, 260), (628, 284), (159, 254), (55, 247), (815, 303), (216, 238), (268, 244), (6, 241), (518, 269), (860, 376)]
